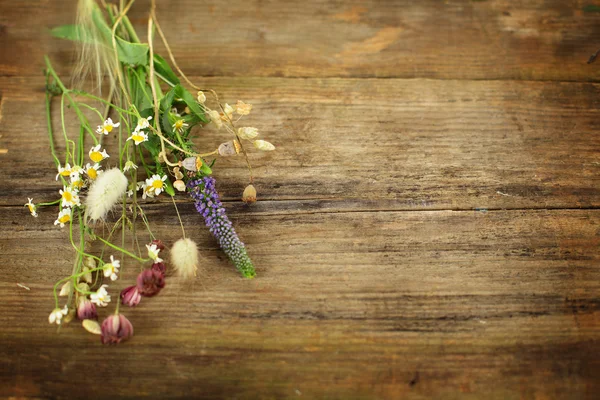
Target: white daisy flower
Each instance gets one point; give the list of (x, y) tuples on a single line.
[(64, 171), (138, 136), (180, 126), (97, 155), (69, 197), (31, 207), (101, 297), (155, 185), (143, 123), (57, 314), (129, 165), (76, 182), (64, 216), (153, 251), (107, 127), (111, 269), (92, 171)]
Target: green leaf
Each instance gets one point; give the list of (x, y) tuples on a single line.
[(162, 68), (190, 101), (69, 32)]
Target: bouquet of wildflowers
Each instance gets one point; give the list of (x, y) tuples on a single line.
[(150, 114)]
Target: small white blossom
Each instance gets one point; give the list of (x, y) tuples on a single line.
[(97, 155), (64, 171), (31, 207), (155, 185), (107, 127), (57, 314), (153, 251), (143, 123), (129, 165), (69, 197), (64, 216), (101, 297), (138, 136), (111, 269)]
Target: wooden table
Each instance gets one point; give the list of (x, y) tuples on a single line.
[(428, 227)]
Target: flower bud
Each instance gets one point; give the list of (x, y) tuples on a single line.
[(249, 195), (149, 282), (115, 329), (130, 296), (201, 97), (159, 267), (86, 309)]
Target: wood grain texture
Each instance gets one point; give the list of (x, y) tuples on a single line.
[(433, 234), (462, 39)]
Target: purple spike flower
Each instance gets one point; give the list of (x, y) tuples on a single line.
[(208, 204)]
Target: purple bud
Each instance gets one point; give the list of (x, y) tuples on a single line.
[(86, 310), (159, 267), (116, 328), (149, 282), (130, 296)]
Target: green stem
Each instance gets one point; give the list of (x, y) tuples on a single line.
[(109, 244)]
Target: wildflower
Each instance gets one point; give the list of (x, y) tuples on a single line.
[(201, 97), (92, 171), (159, 244), (215, 118), (57, 314), (96, 155), (75, 171), (159, 267), (107, 127), (111, 269), (243, 108), (130, 296), (206, 200), (184, 255), (153, 251), (76, 181), (129, 165), (115, 329), (179, 185), (155, 184), (226, 116), (104, 193), (263, 145), (64, 171), (149, 282), (229, 148), (101, 297), (64, 216), (247, 133), (143, 123), (249, 195), (31, 207), (69, 197), (86, 309), (180, 126), (138, 137)]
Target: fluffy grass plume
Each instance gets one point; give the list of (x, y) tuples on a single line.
[(184, 256), (104, 193)]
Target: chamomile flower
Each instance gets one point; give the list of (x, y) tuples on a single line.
[(143, 123), (107, 127), (243, 108), (64, 171), (57, 314), (180, 126), (155, 185), (111, 269), (226, 116), (138, 136), (129, 165), (101, 297), (76, 181), (76, 170), (92, 171), (31, 207), (97, 155), (69, 197), (64, 216), (201, 97), (215, 118), (153, 251)]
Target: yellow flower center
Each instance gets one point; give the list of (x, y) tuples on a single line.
[(67, 196), (157, 184), (64, 219), (137, 138), (66, 172), (78, 184), (108, 128), (92, 173), (31, 209), (179, 124), (96, 156)]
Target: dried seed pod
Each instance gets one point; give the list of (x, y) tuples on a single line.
[(179, 185), (91, 326), (191, 164), (230, 148), (249, 195)]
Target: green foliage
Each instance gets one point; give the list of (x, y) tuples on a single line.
[(163, 69)]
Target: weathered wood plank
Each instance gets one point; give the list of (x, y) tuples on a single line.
[(531, 40), (369, 144), (347, 305)]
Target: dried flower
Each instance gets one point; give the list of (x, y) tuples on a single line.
[(249, 195), (177, 172), (31, 207), (149, 282), (201, 97), (129, 165), (179, 185), (115, 329), (86, 309), (159, 267), (107, 127), (104, 193), (247, 133), (215, 118), (190, 164), (263, 145), (226, 116), (65, 289), (96, 155), (207, 203), (230, 148), (111, 269), (64, 216), (243, 108), (57, 314), (69, 197), (101, 297), (184, 256), (130, 296)]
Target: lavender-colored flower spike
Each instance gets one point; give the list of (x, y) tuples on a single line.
[(208, 204)]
